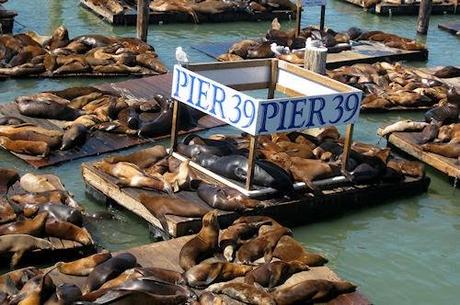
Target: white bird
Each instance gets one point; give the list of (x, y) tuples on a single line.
[(181, 56), (279, 50)]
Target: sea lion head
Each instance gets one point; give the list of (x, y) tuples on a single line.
[(445, 132), (345, 287), (210, 219), (297, 266)]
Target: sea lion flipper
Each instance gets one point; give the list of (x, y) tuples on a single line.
[(16, 258), (213, 275), (268, 254)]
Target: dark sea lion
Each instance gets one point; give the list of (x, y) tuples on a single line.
[(84, 266), (65, 294), (274, 273), (34, 148), (288, 249), (52, 197), (261, 50), (201, 245), (151, 62), (108, 270), (160, 125), (67, 230), (74, 136), (227, 199), (46, 105), (246, 293), (162, 274), (447, 150), (205, 274), (61, 212), (448, 72), (428, 133), (10, 120), (32, 227), (20, 244), (241, 48), (225, 146), (312, 290), (160, 206), (261, 246), (8, 177), (192, 150), (442, 114), (39, 288)]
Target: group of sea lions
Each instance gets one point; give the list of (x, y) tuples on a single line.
[(85, 110), (28, 54), (286, 45), (34, 207), (386, 86)]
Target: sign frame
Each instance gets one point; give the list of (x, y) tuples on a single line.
[(211, 86)]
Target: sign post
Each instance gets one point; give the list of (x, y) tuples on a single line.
[(313, 101)]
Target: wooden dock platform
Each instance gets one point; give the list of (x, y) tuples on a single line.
[(302, 210), (407, 142), (388, 9), (102, 142), (364, 52), (451, 27), (129, 15), (166, 255)]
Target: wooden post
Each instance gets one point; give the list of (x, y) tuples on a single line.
[(142, 22), (346, 149), (174, 126), (298, 17), (315, 59), (323, 16), (251, 162), (424, 14), (273, 77)]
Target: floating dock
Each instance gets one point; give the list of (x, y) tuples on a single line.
[(101, 141), (388, 9), (451, 27), (129, 15), (363, 52), (407, 142), (166, 255), (304, 209)]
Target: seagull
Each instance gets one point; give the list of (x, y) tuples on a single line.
[(181, 56), (279, 50)]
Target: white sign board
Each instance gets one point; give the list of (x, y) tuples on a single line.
[(313, 2), (321, 106)]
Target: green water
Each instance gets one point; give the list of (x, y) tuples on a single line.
[(404, 252)]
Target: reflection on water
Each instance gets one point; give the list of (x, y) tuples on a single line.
[(403, 252)]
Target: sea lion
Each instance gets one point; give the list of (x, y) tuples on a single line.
[(32, 227), (241, 48), (151, 62), (226, 198), (428, 133), (59, 39), (74, 136), (261, 50), (52, 197), (201, 245), (84, 266), (161, 124), (8, 177), (449, 133), (83, 100), (288, 249), (60, 212), (205, 274), (174, 6), (20, 244), (30, 132), (34, 148), (406, 125), (11, 281), (65, 294), (160, 206), (229, 57), (165, 275), (67, 230), (262, 246), (35, 290), (408, 168), (114, 127), (142, 158), (33, 183), (183, 178), (274, 273), (243, 292), (447, 150), (447, 72), (47, 106), (10, 120), (318, 291), (25, 69), (7, 213), (108, 270), (129, 175)]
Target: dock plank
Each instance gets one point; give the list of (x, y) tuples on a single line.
[(165, 254), (451, 27)]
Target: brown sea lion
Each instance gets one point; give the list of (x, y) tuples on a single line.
[(406, 125), (34, 183), (59, 39), (108, 270), (166, 275), (246, 293), (84, 266), (7, 213), (142, 158), (34, 148), (241, 48), (11, 120), (74, 136), (312, 290), (129, 175), (201, 245), (21, 70), (83, 100), (205, 274), (152, 62), (408, 168), (66, 230), (288, 249), (263, 245), (30, 132), (52, 197), (447, 72), (183, 178), (261, 50), (447, 150), (160, 206), (8, 177), (174, 6), (20, 244), (59, 212), (226, 198), (11, 281), (36, 289), (32, 227), (274, 273), (229, 57), (449, 133)]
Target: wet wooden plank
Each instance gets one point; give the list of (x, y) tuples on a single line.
[(364, 52), (129, 15), (407, 142), (451, 27), (304, 209), (166, 255), (100, 142)]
